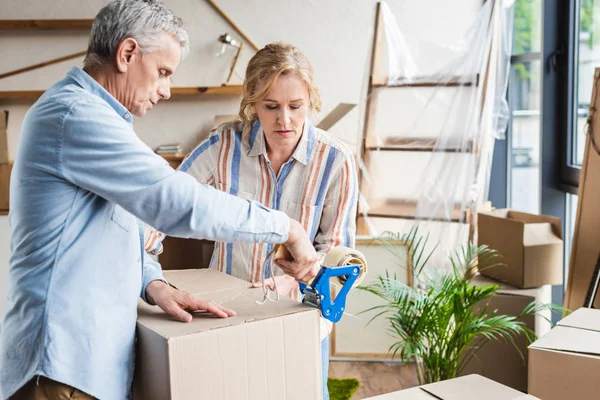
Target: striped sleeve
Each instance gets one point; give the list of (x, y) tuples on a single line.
[(338, 224), (200, 164)]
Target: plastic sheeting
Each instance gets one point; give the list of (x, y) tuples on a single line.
[(444, 122)]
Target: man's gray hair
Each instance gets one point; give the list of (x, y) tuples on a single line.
[(142, 20)]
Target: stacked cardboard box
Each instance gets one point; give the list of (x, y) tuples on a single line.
[(500, 360), (531, 247), (470, 387), (268, 351), (564, 364), (531, 250)]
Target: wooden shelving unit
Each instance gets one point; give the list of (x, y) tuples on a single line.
[(45, 24)]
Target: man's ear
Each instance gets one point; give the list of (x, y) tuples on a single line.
[(127, 51)]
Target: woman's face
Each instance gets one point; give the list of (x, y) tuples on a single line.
[(283, 111)]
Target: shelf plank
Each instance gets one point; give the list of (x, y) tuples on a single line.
[(407, 209), (207, 90), (429, 82), (46, 24), (418, 144), (3, 212), (175, 92)]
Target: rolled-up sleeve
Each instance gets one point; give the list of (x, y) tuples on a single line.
[(108, 159)]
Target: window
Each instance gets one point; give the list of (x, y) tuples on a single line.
[(582, 43), (524, 96)]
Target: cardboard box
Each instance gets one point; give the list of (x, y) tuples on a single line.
[(531, 247), (564, 364), (5, 170), (3, 137), (269, 351), (585, 244), (470, 387), (499, 360)]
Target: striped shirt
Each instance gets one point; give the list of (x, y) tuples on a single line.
[(317, 186)]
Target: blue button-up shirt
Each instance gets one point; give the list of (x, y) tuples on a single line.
[(81, 184)]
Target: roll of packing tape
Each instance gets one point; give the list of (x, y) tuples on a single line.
[(342, 256), (336, 257)]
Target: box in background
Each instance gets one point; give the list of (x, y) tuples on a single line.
[(499, 360), (564, 363), (5, 170), (470, 387), (3, 137), (531, 246), (269, 351)]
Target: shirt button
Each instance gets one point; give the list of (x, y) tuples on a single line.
[(127, 115)]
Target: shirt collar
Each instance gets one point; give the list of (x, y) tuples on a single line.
[(303, 150), (88, 83)]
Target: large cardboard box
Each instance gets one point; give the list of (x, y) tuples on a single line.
[(269, 351), (564, 364), (531, 247), (499, 360), (3, 137), (585, 244), (470, 387)]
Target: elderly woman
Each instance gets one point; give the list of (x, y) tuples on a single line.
[(275, 156)]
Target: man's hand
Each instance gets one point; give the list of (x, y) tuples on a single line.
[(302, 253), (286, 285), (174, 302)]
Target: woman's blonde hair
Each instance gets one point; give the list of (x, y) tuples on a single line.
[(264, 68)]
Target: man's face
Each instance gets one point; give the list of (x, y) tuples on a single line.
[(148, 77)]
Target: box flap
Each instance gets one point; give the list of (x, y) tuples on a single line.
[(208, 284), (498, 213), (539, 234), (473, 387), (583, 318), (335, 115), (573, 340), (536, 219)]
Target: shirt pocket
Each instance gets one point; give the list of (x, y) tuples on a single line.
[(308, 215), (122, 218)]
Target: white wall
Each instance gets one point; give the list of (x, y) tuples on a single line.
[(336, 36)]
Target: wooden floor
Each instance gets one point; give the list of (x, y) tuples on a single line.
[(375, 377)]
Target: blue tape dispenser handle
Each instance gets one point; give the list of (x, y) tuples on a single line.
[(318, 293)]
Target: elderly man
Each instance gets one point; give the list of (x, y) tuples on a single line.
[(81, 185)]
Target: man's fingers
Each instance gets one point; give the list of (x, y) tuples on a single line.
[(218, 310), (176, 311)]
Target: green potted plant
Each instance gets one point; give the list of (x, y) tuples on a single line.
[(443, 320)]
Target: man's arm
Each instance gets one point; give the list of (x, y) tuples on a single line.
[(105, 157)]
